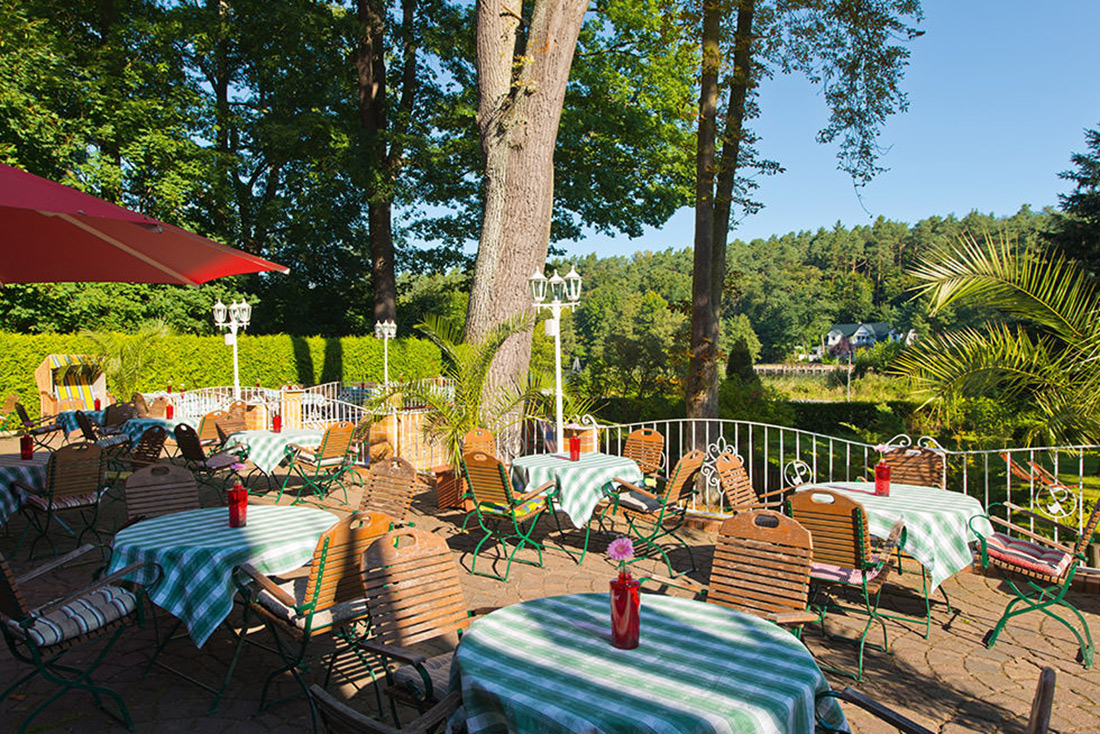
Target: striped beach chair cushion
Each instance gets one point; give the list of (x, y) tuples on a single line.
[(39, 502), (90, 612), (1033, 557)]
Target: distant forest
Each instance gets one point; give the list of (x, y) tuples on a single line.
[(629, 336)]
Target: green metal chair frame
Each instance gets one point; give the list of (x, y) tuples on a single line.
[(75, 482), (496, 506), (664, 511), (47, 659), (41, 430), (1044, 592), (332, 602), (324, 467), (340, 718), (841, 543)]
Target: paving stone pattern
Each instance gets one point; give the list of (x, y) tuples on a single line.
[(950, 683)]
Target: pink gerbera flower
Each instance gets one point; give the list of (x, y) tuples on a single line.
[(621, 549)]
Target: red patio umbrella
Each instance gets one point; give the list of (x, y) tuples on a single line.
[(51, 233)]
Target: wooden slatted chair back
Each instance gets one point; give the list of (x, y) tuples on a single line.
[(158, 408), (161, 489), (230, 424), (87, 430), (334, 571), (12, 604), (337, 440), (413, 589), (645, 447), (149, 447), (761, 564), (208, 426), (21, 411), (681, 484), (838, 525), (734, 480), (917, 465), (75, 469), (118, 413), (141, 408), (388, 487), (479, 439), (237, 409), (187, 440), (486, 479)]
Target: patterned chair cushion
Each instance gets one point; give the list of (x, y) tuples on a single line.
[(639, 502), (220, 461), (90, 612), (840, 575), (113, 440), (40, 430), (39, 502), (322, 619), (438, 669), (1034, 557), (522, 511)]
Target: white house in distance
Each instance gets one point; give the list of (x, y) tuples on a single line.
[(843, 337)]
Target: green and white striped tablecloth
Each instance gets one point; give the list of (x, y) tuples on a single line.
[(267, 449), (581, 484), (548, 666), (197, 551), (137, 426), (936, 522), (67, 419), (13, 469)]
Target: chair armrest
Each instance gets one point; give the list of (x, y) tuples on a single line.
[(104, 581), (1034, 536), (892, 541), (268, 585), (294, 448), (636, 488), (46, 567), (775, 492), (784, 618), (391, 651), (534, 492), (1037, 516), (682, 582), (27, 488), (481, 611)]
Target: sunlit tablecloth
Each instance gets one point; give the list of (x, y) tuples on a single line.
[(580, 484)]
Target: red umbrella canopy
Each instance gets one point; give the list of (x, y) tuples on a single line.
[(51, 233)]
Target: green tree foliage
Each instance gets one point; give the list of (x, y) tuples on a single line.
[(1076, 228)]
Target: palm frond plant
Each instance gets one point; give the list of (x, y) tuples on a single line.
[(466, 400), (1040, 354), (125, 358)]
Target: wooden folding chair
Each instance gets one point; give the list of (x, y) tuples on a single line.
[(414, 596), (1044, 566), (842, 555), (646, 447), (918, 465), (41, 430), (43, 636), (389, 487), (737, 487), (323, 467), (75, 482), (160, 489), (329, 601)]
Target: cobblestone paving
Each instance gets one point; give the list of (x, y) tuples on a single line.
[(949, 683)]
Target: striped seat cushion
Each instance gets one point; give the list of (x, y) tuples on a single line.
[(90, 612), (113, 440), (39, 502), (322, 619), (1033, 557), (438, 669), (40, 430), (522, 511)]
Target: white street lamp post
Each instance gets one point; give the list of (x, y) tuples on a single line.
[(239, 314), (385, 330), (564, 293)]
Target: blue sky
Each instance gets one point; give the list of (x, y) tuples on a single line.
[(1000, 94)]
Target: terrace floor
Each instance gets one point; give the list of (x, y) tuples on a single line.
[(949, 683)]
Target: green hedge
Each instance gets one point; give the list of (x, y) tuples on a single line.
[(202, 361)]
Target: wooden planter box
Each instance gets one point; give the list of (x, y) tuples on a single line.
[(450, 486), (590, 438)]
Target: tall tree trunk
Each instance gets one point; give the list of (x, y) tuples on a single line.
[(701, 390), (519, 107), (370, 67)]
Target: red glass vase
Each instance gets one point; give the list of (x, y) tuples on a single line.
[(169, 411), (574, 447), (882, 478), (277, 423), (625, 603), (97, 403), (238, 506), (26, 447)]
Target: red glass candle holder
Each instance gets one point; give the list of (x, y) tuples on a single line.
[(26, 447), (238, 506), (97, 403), (882, 479), (625, 603), (574, 447), (277, 423), (169, 411)]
